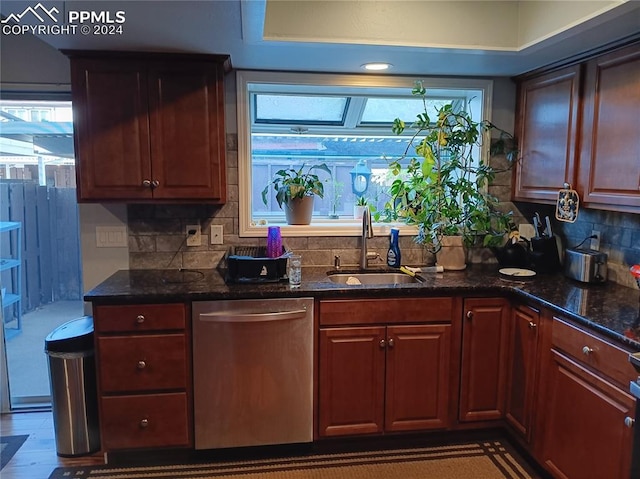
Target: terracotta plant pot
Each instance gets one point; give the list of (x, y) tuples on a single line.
[(452, 255), (298, 211)]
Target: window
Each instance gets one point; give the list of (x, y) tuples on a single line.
[(286, 120)]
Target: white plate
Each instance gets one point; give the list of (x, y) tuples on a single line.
[(519, 272)]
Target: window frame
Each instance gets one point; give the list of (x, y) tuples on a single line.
[(320, 227)]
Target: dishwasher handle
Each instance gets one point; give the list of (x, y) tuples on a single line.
[(237, 317)]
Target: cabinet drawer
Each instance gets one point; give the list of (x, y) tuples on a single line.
[(139, 317), (388, 311), (604, 357), (159, 420), (138, 363)]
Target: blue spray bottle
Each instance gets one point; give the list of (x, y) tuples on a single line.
[(393, 255)]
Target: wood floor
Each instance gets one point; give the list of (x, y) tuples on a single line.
[(37, 458)]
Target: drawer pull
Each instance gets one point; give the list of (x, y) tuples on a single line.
[(587, 350), (391, 343), (629, 422), (142, 365), (140, 319), (382, 344), (469, 315), (532, 325), (144, 423)]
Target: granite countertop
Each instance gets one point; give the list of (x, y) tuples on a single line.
[(610, 309)]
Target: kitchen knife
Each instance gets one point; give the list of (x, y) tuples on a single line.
[(536, 226), (548, 228)]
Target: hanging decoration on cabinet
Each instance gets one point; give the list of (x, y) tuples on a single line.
[(567, 205)]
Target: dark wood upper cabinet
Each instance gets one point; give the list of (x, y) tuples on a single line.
[(610, 153), (578, 125), (149, 127), (548, 114)]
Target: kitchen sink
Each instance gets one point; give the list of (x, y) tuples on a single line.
[(372, 278)]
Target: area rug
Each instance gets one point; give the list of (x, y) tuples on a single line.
[(493, 459), (9, 445)]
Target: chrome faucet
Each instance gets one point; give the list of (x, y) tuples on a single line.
[(367, 232)]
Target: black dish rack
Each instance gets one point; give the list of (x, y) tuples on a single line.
[(250, 264)]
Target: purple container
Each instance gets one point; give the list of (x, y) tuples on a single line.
[(274, 242)]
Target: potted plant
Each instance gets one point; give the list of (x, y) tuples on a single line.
[(295, 190), (443, 189), (359, 207)]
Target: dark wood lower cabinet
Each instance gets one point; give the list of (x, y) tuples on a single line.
[(585, 435), (158, 420), (383, 379), (417, 377), (484, 359), (523, 366), (351, 381)]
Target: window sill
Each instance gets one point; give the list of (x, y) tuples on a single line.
[(320, 227)]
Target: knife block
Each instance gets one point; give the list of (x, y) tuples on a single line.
[(544, 255)]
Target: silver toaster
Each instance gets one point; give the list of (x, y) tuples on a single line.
[(585, 265)]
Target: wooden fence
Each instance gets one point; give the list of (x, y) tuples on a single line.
[(51, 264)]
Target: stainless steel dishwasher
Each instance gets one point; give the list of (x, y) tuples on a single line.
[(253, 372)]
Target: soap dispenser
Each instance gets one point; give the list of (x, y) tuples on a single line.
[(393, 255)]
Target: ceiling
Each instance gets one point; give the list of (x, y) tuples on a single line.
[(339, 36)]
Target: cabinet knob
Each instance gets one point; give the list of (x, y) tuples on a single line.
[(382, 344), (144, 423), (146, 183), (532, 325), (142, 364), (391, 342), (140, 319), (469, 315), (629, 422), (587, 350), (155, 184)]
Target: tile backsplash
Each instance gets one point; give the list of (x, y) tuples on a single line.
[(157, 236)]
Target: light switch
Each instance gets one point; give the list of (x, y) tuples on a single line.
[(217, 234)]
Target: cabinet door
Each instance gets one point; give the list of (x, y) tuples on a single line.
[(585, 432), (187, 130), (111, 129), (610, 157), (484, 359), (417, 378), (351, 380), (525, 326), (548, 115)]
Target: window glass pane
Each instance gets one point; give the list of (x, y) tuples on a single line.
[(385, 110), (340, 153), (299, 109), (295, 120)]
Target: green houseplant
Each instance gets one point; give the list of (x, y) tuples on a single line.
[(443, 189), (295, 189)]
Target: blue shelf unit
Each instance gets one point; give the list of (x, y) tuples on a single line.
[(10, 273)]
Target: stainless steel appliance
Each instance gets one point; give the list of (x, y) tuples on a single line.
[(253, 372), (585, 265)]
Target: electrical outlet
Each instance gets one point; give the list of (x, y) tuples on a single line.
[(194, 235), (595, 242), (216, 234)]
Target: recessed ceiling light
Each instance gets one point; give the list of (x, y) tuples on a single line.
[(376, 66)]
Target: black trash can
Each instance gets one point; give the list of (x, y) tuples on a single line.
[(74, 395)]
